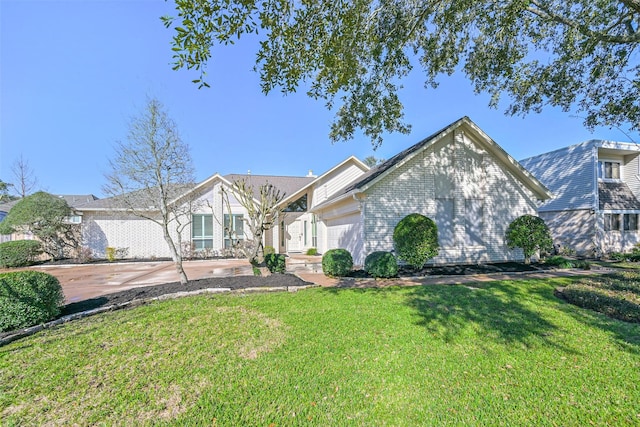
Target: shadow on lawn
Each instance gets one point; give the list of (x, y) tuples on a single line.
[(496, 311), (493, 309)]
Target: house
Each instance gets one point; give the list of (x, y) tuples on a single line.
[(105, 224), (597, 189), (458, 176)]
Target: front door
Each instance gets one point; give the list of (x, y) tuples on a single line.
[(294, 235)]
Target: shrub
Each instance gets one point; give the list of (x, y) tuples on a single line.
[(84, 255), (312, 251), (28, 298), (381, 264), (116, 253), (269, 250), (337, 262), (618, 305), (276, 263), (18, 253), (416, 239), (529, 233), (562, 262)]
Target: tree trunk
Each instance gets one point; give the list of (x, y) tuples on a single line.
[(176, 256)]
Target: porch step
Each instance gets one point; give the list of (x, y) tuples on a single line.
[(304, 263)]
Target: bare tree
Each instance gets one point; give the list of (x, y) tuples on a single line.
[(25, 179), (263, 210), (151, 175)]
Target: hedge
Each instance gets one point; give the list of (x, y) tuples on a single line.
[(18, 253), (28, 298)]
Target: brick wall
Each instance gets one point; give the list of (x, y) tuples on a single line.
[(455, 172)]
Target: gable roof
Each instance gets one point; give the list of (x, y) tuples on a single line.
[(489, 144), (291, 197), (382, 170)]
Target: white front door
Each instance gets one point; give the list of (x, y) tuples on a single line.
[(294, 232)]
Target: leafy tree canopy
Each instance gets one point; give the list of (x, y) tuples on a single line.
[(572, 54), (44, 215)]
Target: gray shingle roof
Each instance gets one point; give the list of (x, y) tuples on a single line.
[(140, 198), (73, 200), (287, 185), (616, 195)]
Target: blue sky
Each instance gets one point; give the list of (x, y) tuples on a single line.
[(73, 73)]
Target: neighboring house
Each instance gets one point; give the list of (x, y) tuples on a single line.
[(597, 189), (458, 176), (105, 225)]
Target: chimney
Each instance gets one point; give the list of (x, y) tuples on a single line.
[(310, 174)]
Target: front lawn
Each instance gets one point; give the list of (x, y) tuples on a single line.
[(502, 353)]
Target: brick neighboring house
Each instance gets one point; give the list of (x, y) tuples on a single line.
[(458, 176), (597, 189)]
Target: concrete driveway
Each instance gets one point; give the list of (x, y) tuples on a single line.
[(83, 281)]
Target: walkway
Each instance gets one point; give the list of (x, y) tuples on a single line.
[(84, 281)]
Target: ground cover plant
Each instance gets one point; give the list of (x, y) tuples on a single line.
[(616, 295), (506, 353)]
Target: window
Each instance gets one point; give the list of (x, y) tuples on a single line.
[(73, 219), (630, 222), (299, 205), (305, 233), (314, 231), (282, 230), (202, 231), (235, 225), (608, 170), (611, 222)]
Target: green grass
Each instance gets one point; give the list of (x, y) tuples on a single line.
[(626, 265), (504, 353)]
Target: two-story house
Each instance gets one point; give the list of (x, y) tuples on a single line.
[(596, 185)]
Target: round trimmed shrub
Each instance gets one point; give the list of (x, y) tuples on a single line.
[(28, 298), (530, 233), (381, 264), (18, 253), (276, 263), (416, 240), (337, 262)]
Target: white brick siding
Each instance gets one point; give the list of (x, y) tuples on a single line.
[(456, 169), (142, 238)]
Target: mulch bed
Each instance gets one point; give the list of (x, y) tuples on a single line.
[(233, 283), (460, 270)]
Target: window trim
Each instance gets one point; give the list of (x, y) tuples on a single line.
[(236, 218), (204, 238), (602, 170)]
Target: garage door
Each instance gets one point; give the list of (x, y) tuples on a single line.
[(346, 233)]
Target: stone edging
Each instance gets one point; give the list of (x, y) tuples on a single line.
[(22, 333)]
